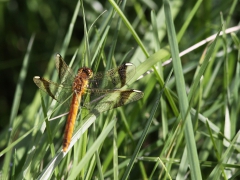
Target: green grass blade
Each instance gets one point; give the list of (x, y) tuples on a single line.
[(143, 136), (202, 68), (46, 173), (114, 42), (16, 103), (217, 172), (155, 31), (144, 133), (183, 101), (91, 151), (87, 57), (129, 26), (99, 165), (234, 103), (68, 36), (115, 155), (189, 19)]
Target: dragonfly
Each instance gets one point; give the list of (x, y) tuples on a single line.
[(102, 91)]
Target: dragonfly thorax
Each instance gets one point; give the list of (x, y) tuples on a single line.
[(81, 79)]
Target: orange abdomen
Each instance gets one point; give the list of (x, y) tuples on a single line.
[(71, 120)]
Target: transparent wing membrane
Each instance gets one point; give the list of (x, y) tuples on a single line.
[(65, 73), (56, 91), (113, 78), (103, 100), (103, 88)]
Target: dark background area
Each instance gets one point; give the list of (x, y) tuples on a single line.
[(18, 22)]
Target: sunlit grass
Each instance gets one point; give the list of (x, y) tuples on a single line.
[(149, 138)]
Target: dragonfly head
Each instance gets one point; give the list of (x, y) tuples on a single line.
[(85, 72)]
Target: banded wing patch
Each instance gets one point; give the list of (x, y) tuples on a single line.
[(56, 91), (111, 98), (113, 78)]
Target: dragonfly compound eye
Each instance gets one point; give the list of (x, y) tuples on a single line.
[(89, 72)]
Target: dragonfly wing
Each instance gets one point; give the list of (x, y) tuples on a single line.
[(111, 98), (65, 73), (56, 91), (113, 78)]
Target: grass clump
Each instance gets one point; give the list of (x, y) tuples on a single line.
[(185, 126)]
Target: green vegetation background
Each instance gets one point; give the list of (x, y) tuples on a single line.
[(49, 22)]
